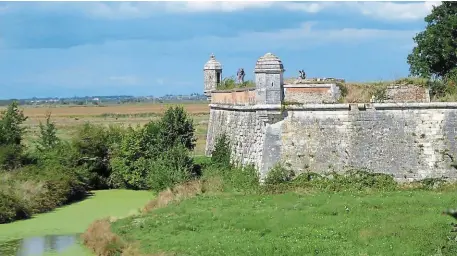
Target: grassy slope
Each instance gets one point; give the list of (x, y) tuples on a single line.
[(395, 223), (75, 218)]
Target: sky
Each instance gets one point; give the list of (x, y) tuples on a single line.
[(66, 49)]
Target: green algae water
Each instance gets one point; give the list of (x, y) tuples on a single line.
[(57, 232)]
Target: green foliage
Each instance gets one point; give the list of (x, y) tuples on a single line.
[(11, 208), (170, 168), (343, 90), (221, 153), (442, 91), (11, 131), (155, 156), (34, 189), (234, 178), (380, 94), (48, 135), (176, 127), (93, 144), (11, 135), (436, 52), (229, 83), (10, 156), (278, 175), (129, 164), (351, 180), (140, 163)]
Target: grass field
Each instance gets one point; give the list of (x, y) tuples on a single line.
[(318, 223), (67, 118)]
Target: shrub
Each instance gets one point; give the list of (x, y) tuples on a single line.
[(11, 208), (176, 127), (352, 180), (129, 163), (221, 153), (172, 167), (279, 174), (11, 131), (93, 145), (10, 156), (48, 135), (200, 163), (11, 135)]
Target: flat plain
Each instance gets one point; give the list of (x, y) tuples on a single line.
[(68, 118)]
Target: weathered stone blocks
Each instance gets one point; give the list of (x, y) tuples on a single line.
[(409, 141)]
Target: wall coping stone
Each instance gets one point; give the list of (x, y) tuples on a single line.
[(235, 90), (309, 85), (333, 107)]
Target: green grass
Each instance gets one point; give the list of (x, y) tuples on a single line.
[(394, 223), (75, 218)]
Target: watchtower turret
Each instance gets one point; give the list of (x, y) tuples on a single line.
[(212, 75), (269, 72)]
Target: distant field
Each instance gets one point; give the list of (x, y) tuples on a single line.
[(67, 118)]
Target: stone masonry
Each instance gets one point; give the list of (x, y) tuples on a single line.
[(411, 141)]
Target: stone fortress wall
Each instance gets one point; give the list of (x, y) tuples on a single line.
[(406, 135)]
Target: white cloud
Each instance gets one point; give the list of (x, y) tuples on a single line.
[(306, 7), (395, 10), (303, 37), (115, 10), (216, 6)]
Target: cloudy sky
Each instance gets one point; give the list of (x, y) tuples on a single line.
[(66, 49)]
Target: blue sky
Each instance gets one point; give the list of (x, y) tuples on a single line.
[(65, 49)]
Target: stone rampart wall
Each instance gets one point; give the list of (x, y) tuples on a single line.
[(311, 93), (410, 140), (235, 97), (407, 93)]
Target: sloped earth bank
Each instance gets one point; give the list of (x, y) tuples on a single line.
[(295, 223), (58, 232)]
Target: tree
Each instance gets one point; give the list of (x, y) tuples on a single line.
[(435, 55), (11, 131), (221, 153), (177, 127), (11, 134), (48, 135)]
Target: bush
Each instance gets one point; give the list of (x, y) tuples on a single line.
[(200, 163), (48, 135), (176, 127), (172, 167), (352, 180), (11, 135), (222, 152), (34, 189), (278, 175), (10, 156), (129, 163), (11, 208), (93, 145)]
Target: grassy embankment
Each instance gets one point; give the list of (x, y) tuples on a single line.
[(227, 212), (396, 223)]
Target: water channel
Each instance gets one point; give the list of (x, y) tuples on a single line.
[(58, 232)]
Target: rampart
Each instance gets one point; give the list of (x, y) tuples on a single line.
[(411, 139)]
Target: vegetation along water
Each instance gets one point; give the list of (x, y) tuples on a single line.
[(140, 190)]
